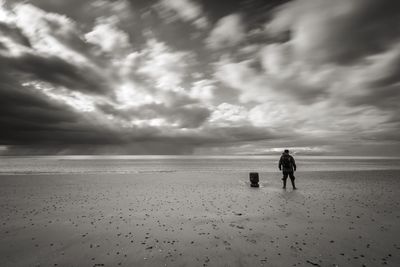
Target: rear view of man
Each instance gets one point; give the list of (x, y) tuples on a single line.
[(288, 166)]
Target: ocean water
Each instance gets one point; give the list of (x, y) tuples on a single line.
[(145, 164)]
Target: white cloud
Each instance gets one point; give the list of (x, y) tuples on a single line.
[(230, 115), (106, 35), (201, 23), (252, 86), (280, 92), (156, 122), (118, 8), (276, 59), (12, 48), (49, 34), (228, 31), (166, 68), (5, 15), (272, 114), (186, 10), (131, 94), (77, 100), (203, 90)]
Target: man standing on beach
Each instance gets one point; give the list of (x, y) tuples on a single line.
[(288, 166)]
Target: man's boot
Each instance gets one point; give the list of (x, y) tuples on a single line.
[(284, 183), (294, 187)]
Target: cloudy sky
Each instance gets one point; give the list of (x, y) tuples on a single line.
[(200, 77)]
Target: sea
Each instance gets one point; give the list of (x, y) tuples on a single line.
[(156, 164)]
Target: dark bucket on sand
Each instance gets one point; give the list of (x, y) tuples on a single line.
[(254, 179)]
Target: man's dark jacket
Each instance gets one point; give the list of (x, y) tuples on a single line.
[(290, 167)]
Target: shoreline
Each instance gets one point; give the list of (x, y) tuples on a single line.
[(246, 172)]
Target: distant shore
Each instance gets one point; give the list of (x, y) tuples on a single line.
[(128, 164), (200, 219)]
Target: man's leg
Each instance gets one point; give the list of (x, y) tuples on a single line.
[(285, 176), (292, 180)]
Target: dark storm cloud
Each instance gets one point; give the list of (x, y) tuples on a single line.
[(339, 31), (25, 114), (355, 40), (224, 135), (187, 116), (389, 74), (135, 17), (255, 11), (384, 97), (32, 121), (15, 34), (232, 134), (34, 61), (28, 117), (86, 12), (57, 71)]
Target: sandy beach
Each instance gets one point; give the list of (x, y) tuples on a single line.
[(200, 219)]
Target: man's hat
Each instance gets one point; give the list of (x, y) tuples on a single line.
[(286, 151)]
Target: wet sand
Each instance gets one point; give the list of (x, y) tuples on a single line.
[(200, 219)]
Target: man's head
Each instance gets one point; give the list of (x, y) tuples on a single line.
[(286, 151)]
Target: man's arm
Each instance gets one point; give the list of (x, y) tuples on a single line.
[(280, 164), (294, 164)]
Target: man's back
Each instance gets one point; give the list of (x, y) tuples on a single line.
[(287, 163)]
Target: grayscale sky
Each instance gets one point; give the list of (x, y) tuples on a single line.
[(200, 77)]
